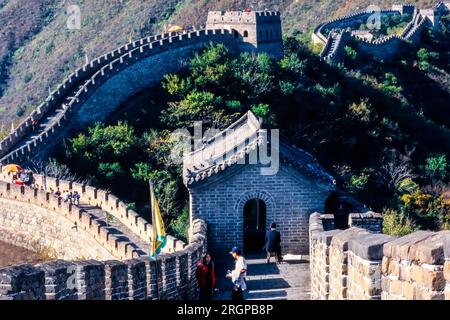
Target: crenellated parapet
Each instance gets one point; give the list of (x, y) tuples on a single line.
[(93, 197), (385, 47), (23, 144), (87, 236), (57, 97), (173, 274), (360, 264)]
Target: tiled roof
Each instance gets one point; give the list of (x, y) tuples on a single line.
[(232, 145)]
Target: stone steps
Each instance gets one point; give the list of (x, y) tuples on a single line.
[(124, 234)]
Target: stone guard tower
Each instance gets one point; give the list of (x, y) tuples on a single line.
[(260, 31), (229, 192)]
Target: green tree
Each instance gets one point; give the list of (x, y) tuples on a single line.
[(292, 63), (425, 58), (211, 67), (350, 52), (102, 143), (436, 167), (196, 106), (263, 111), (255, 73)]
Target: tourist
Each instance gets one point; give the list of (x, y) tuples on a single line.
[(76, 198), (238, 275), (66, 196), (273, 243), (57, 193), (34, 124), (206, 277), (70, 197)]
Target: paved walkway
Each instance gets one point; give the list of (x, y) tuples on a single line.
[(287, 281), (117, 228)]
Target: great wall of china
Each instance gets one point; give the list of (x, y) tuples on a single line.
[(386, 47), (100, 261), (359, 263), (104, 260), (97, 261)]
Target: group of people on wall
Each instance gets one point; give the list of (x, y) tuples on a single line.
[(206, 271)]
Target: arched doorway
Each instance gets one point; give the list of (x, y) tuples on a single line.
[(254, 225), (337, 205)]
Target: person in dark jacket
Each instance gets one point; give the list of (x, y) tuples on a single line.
[(273, 243), (206, 277)]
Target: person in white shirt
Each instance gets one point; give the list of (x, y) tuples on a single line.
[(238, 275), (65, 196)]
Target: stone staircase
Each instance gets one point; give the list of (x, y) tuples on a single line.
[(287, 281), (123, 234)]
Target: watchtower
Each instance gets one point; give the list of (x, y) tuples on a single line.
[(258, 30)]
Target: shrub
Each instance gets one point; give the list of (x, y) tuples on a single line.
[(262, 110), (361, 110), (436, 167), (180, 225), (397, 224), (350, 52), (20, 111), (425, 58)]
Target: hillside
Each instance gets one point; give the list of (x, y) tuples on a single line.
[(37, 50)]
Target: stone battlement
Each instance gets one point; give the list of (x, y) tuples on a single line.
[(133, 279), (91, 196), (383, 48), (77, 89), (357, 264)]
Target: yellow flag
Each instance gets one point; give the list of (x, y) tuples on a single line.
[(159, 238)]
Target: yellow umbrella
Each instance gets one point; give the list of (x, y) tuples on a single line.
[(175, 29), (12, 168)]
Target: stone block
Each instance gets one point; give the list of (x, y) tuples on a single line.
[(369, 246), (340, 240), (399, 248), (430, 250)]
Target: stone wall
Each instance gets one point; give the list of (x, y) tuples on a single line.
[(133, 279), (357, 264), (95, 90), (447, 265), (41, 230), (93, 197), (413, 267), (37, 220), (384, 48), (120, 84), (372, 221), (365, 252), (338, 274), (56, 97)]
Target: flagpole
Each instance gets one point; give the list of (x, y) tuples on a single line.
[(153, 244)]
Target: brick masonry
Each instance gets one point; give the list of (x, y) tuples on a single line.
[(289, 196), (133, 279), (360, 264)]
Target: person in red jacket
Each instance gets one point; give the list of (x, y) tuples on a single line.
[(206, 277)]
